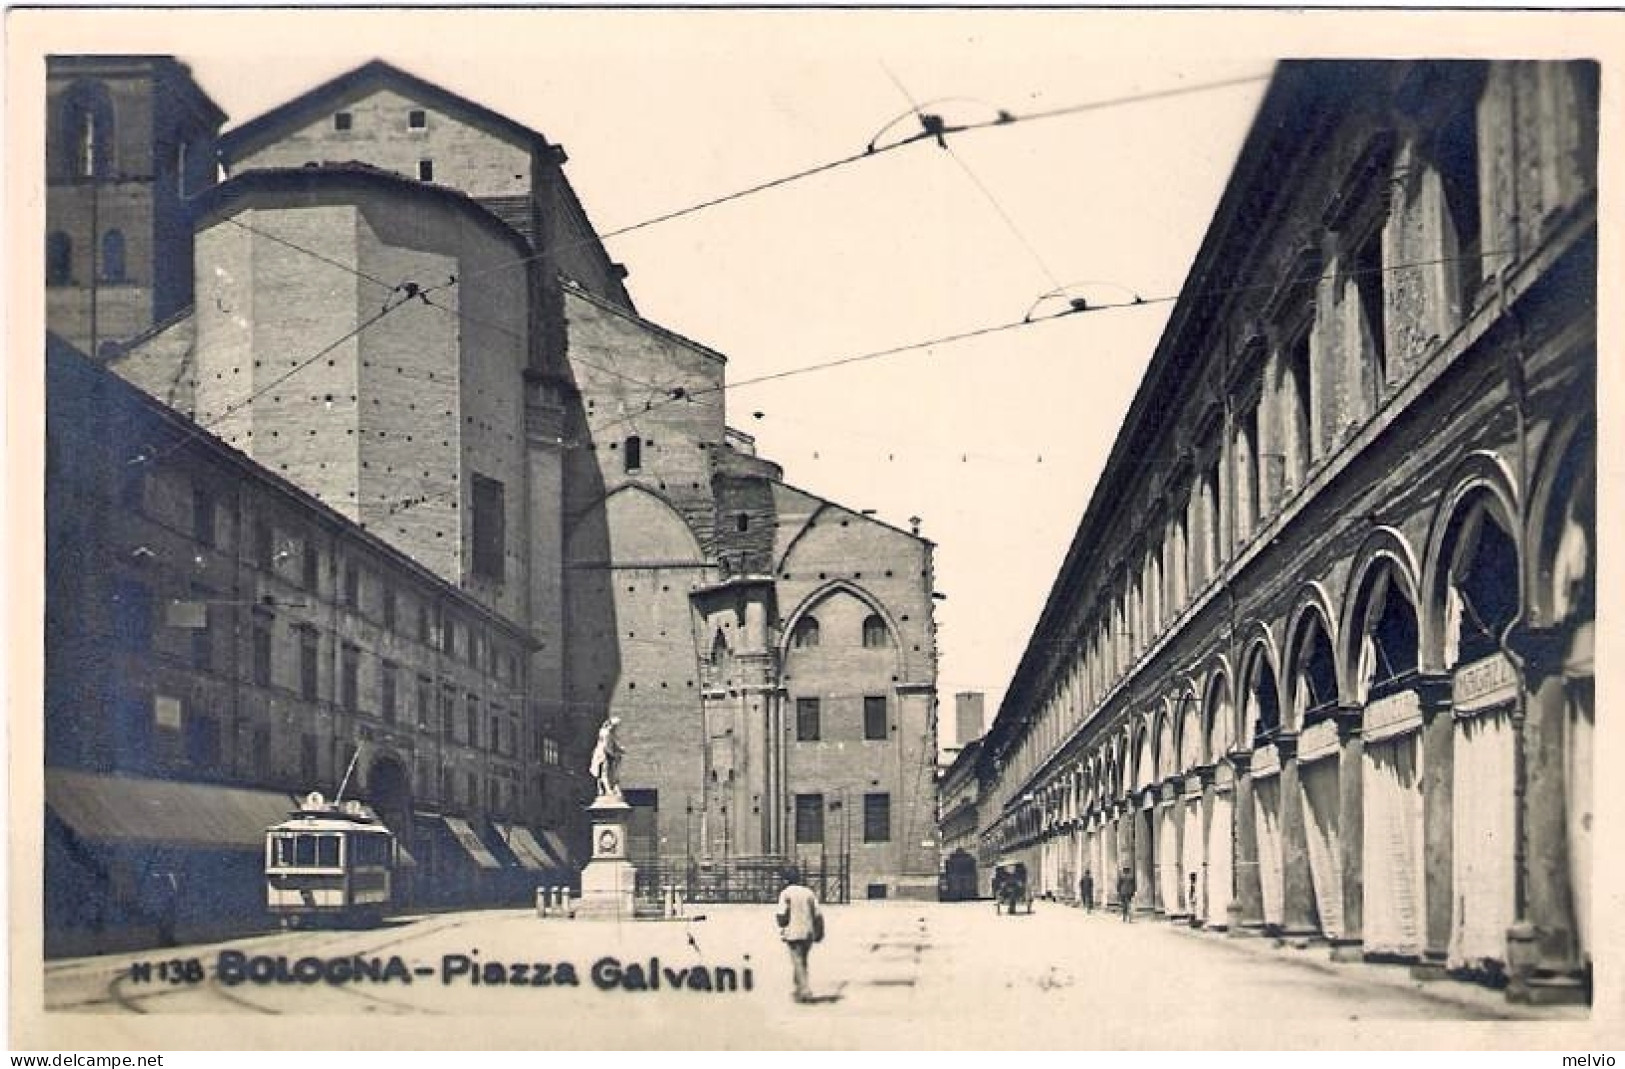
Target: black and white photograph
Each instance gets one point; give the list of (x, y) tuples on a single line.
[(809, 529)]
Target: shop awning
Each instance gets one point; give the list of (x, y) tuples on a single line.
[(525, 847), (117, 809), (470, 841), (555, 846)]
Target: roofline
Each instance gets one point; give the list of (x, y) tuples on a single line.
[(1083, 549), (924, 541), (1293, 81), (235, 193), (261, 129), (575, 289), (86, 64)]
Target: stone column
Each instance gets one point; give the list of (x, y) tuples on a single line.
[(1438, 748), (1247, 910), (1299, 917), (1200, 911), (1543, 950), (1351, 832), (1145, 892)]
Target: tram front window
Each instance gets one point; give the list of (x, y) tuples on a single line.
[(305, 851)]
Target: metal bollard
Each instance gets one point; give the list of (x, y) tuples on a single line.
[(541, 901)]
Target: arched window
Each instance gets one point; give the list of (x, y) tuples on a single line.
[(633, 454), (58, 259), (113, 256), (87, 130), (875, 633), (805, 636)]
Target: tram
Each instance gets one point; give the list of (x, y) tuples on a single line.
[(329, 864)]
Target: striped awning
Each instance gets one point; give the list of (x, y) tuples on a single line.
[(525, 847), (118, 809), (555, 846), (469, 841)]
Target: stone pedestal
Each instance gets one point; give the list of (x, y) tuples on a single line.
[(608, 880)]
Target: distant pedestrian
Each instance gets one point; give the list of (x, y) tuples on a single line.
[(1086, 890), (801, 924), (1125, 892)]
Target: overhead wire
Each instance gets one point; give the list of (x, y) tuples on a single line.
[(872, 150)]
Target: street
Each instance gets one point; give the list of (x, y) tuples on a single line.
[(895, 974)]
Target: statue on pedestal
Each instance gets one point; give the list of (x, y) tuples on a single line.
[(606, 760)]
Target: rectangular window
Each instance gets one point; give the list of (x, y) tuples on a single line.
[(807, 720), (307, 663), (352, 584), (132, 615), (349, 676), (550, 751), (490, 527), (448, 710), (390, 607), (311, 574), (496, 734), (809, 818), (342, 120), (472, 712), (425, 629), (875, 726), (203, 517), (1368, 280), (386, 691), (202, 740), (426, 170), (132, 487), (307, 759), (264, 545), (203, 648), (262, 651), (425, 700), (877, 818), (417, 119), (262, 751)]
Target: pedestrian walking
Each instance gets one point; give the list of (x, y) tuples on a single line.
[(801, 924), (1086, 890), (1125, 892)]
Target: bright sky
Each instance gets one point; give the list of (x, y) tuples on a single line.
[(995, 443)]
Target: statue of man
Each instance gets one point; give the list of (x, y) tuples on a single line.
[(606, 759)]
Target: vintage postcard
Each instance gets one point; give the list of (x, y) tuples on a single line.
[(806, 529)]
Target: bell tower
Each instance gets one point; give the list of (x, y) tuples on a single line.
[(130, 143)]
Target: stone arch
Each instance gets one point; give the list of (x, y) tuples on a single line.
[(633, 519), (1163, 740), (1309, 676), (1562, 508), (1218, 714), (88, 140), (1192, 743), (809, 606), (1384, 557), (1481, 483), (1260, 693)]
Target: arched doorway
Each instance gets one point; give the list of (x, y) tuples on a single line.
[(1262, 714), (1478, 596), (389, 792), (1219, 716), (1314, 705), (1393, 894)]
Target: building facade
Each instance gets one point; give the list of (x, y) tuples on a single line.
[(1318, 661), (399, 311)]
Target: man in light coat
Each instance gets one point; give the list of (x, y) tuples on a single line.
[(800, 926)]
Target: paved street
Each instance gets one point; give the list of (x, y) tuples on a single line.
[(890, 974)]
